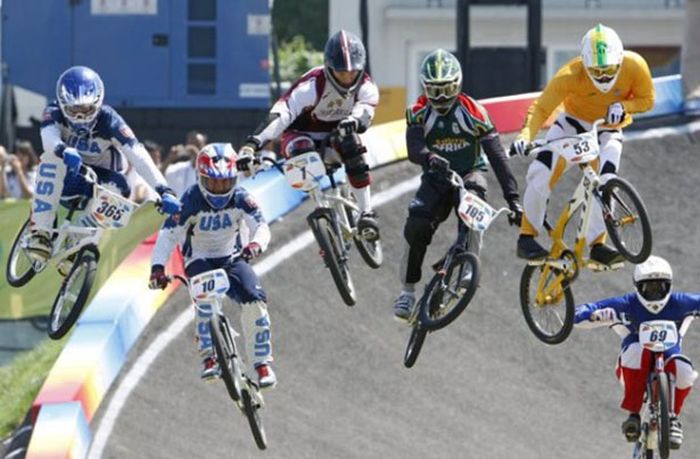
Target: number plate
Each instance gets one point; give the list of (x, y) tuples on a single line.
[(658, 335), (303, 172), (110, 210), (577, 150), (476, 213), (209, 284)]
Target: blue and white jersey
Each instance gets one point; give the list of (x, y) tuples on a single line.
[(205, 232), (630, 311), (105, 145)]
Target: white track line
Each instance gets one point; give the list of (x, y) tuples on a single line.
[(140, 367)]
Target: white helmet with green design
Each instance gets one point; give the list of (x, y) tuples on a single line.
[(441, 77), (602, 54)]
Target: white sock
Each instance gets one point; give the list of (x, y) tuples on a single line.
[(362, 195)]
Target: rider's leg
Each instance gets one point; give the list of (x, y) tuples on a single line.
[(203, 314), (632, 368), (681, 370), (609, 163), (47, 193), (542, 175), (255, 320)]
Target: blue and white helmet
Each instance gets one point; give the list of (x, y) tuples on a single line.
[(217, 173), (80, 92)]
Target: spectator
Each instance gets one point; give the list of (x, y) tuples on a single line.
[(140, 191), (182, 174), (196, 139), (178, 153), (18, 171)]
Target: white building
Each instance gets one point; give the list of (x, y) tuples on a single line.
[(401, 32)]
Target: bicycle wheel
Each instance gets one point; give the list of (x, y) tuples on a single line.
[(627, 220), (256, 426), (547, 303), (371, 252), (225, 350), (74, 293), (661, 396), (20, 268), (331, 246), (448, 294), (415, 344)]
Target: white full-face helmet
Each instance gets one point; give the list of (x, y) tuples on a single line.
[(652, 280), (602, 54)]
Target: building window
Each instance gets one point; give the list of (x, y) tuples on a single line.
[(201, 10), (201, 42), (201, 78)]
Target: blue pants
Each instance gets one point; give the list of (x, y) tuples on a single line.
[(245, 284), (76, 185)]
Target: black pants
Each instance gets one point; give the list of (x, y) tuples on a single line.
[(430, 206)]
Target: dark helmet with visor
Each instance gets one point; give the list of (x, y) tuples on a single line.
[(441, 78), (344, 52)]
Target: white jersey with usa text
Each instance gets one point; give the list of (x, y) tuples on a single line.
[(105, 145), (205, 232), (312, 105)]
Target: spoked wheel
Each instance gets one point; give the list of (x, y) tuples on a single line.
[(251, 411), (547, 303), (627, 220), (331, 246), (74, 292), (661, 396), (415, 344), (20, 268), (371, 252), (449, 293), (225, 349)]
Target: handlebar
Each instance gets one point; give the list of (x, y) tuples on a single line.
[(539, 144)]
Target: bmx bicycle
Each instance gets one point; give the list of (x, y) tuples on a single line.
[(211, 286), (457, 274), (546, 297), (75, 251)]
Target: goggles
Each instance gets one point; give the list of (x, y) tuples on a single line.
[(442, 90), (655, 289), (608, 71), (81, 111), (218, 185)]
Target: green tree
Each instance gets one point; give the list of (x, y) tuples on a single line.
[(296, 57), (308, 18)]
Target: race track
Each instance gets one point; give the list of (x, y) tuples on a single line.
[(484, 387)]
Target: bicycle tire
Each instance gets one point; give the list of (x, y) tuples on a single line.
[(664, 421), (567, 324), (224, 348), (432, 301), (371, 252), (613, 189), (331, 250), (256, 425), (414, 346), (85, 263), (14, 278)]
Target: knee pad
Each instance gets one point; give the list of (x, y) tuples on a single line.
[(357, 171), (418, 231), (685, 374)]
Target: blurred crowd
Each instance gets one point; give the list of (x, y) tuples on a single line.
[(178, 166)]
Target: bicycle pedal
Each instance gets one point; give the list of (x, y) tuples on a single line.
[(537, 262), (599, 267)]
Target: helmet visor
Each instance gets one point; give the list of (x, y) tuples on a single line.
[(218, 185), (654, 289), (442, 91), (604, 73), (85, 111)]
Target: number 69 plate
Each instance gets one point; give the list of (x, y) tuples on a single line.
[(658, 335)]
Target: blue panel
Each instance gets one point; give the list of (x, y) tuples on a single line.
[(669, 97)]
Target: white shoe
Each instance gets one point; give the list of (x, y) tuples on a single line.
[(210, 369), (403, 306), (676, 434), (266, 377), (39, 246)]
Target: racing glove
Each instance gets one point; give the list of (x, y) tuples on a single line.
[(348, 126), (516, 212), (603, 315), (72, 160), (251, 251), (616, 113), (520, 147), (248, 161), (158, 278), (169, 203), (438, 164)]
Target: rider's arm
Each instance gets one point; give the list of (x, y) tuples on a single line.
[(416, 146), (491, 144), (367, 100), (50, 131), (259, 231), (583, 315), (169, 236), (642, 97), (286, 110), (552, 95)]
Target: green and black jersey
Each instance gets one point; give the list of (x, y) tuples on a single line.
[(465, 136)]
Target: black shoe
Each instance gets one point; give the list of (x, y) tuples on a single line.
[(605, 255), (675, 439), (632, 427), (367, 226), (530, 249)]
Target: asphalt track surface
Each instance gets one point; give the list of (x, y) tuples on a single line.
[(484, 387)]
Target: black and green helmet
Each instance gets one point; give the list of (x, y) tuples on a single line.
[(441, 77)]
